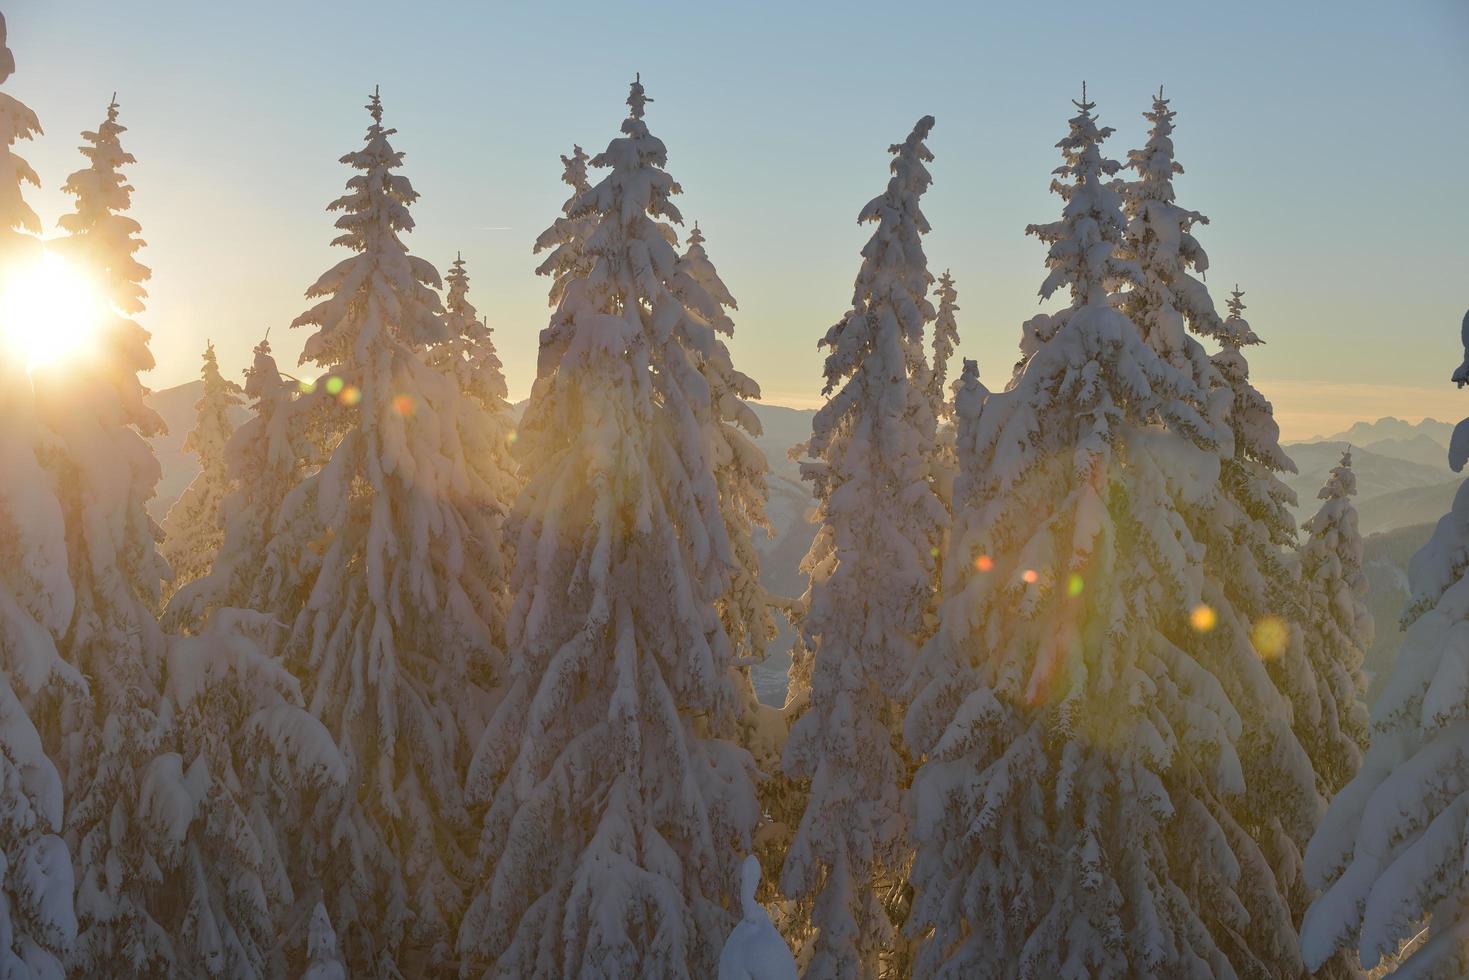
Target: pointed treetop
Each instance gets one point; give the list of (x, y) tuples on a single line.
[(457, 279), (635, 97), (696, 237), (1342, 482), (375, 106), (921, 129), (1085, 106), (1235, 332)]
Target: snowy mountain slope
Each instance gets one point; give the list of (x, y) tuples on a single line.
[(784, 428), (1421, 448), (176, 407), (1378, 476), (1406, 508)]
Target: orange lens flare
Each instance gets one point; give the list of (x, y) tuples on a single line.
[(1270, 636), (1203, 618), (984, 563)]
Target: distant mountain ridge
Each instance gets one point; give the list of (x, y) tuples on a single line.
[(1388, 427), (1403, 475)]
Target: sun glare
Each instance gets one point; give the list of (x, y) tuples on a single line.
[(49, 311)]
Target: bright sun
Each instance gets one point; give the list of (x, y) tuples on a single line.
[(49, 311)]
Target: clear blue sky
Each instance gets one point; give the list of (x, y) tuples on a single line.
[(1326, 141)]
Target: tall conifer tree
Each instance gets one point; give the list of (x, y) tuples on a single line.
[(1245, 529), (1072, 813), (379, 563), (193, 530), (620, 804), (872, 565)]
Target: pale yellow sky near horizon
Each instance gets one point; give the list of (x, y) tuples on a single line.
[(1307, 409)]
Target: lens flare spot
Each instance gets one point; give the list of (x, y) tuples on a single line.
[(511, 436), (1030, 576), (334, 385), (403, 405), (1203, 618), (1270, 636), (984, 563), (351, 395), (1074, 585)]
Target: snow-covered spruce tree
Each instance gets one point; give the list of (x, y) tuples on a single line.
[(970, 394), (37, 916), (1243, 528), (382, 564), (171, 752), (1338, 629), (872, 587), (242, 760), (469, 356), (1389, 855), (740, 469), (1071, 815), (621, 805), (566, 239), (945, 339), (265, 458), (1167, 300), (18, 222), (193, 531), (106, 472), (747, 608), (1251, 475)]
